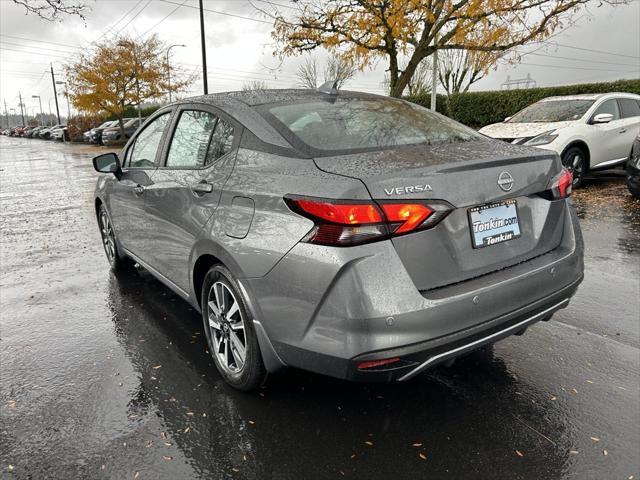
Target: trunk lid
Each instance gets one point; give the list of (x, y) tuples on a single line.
[(464, 175)]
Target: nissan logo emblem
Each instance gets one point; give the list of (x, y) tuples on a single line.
[(505, 181)]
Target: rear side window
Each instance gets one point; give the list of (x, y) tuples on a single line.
[(221, 141), (200, 139), (345, 124), (629, 107), (143, 151), (609, 106)]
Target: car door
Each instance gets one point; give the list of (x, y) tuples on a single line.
[(126, 198), (630, 121), (607, 143), (187, 187)]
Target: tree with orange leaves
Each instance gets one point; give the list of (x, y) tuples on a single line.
[(121, 73), (365, 31)]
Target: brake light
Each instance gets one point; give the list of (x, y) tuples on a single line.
[(565, 183), (377, 363), (354, 222), (561, 186), (406, 216)]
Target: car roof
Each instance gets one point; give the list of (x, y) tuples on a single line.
[(254, 98), (590, 96)]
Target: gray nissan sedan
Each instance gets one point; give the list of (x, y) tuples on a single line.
[(343, 233)]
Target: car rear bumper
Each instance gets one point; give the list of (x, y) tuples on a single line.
[(360, 305)]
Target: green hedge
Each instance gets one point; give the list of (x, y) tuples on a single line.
[(478, 109)]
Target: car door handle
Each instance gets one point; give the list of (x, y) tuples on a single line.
[(622, 130), (202, 187), (138, 190)]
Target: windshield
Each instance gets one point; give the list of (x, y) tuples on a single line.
[(357, 123), (552, 111)]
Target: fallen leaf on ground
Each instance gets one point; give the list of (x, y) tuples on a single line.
[(252, 422), (519, 453), (163, 435), (573, 452), (11, 404), (136, 475), (187, 430), (369, 443), (589, 381), (422, 456), (10, 468), (595, 439), (573, 390), (190, 414), (605, 452), (168, 444), (416, 444), (553, 398), (167, 458), (156, 367)]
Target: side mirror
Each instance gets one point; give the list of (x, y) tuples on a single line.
[(507, 119), (602, 118), (107, 163)]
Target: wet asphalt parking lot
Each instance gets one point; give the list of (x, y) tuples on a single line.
[(106, 376)]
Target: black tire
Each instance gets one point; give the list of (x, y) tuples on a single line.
[(117, 261), (575, 160), (251, 373)]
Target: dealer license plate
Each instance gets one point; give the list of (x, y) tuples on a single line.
[(494, 223)]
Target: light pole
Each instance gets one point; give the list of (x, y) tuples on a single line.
[(169, 67), (129, 44), (66, 94), (50, 113), (39, 100)]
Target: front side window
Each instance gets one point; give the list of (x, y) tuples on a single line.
[(610, 106), (145, 148), (345, 124), (199, 139), (549, 111)]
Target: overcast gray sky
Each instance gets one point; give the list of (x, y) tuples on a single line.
[(604, 44)]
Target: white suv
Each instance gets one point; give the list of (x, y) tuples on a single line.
[(589, 132)]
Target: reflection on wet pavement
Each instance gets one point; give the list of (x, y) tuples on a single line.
[(103, 375)]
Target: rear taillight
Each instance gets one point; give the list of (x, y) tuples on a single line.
[(345, 223), (561, 186)]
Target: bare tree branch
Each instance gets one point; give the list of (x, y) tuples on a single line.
[(54, 9)]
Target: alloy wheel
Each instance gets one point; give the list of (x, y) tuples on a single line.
[(576, 166), (108, 238), (226, 325)]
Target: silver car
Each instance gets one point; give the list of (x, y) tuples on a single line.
[(343, 233)]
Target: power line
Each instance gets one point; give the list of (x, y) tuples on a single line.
[(170, 13), (134, 17), (581, 59), (33, 53), (40, 41), (570, 67), (220, 13), (112, 27), (593, 51)]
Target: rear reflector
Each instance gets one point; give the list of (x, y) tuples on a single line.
[(354, 222), (377, 363)]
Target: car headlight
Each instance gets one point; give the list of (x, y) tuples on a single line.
[(542, 139)]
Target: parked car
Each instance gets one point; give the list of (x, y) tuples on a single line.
[(96, 133), (589, 132), (349, 234), (14, 131), (633, 169), (86, 136), (31, 132), (47, 133), (59, 132), (113, 135)]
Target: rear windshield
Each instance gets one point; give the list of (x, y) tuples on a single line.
[(552, 111), (344, 124)]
